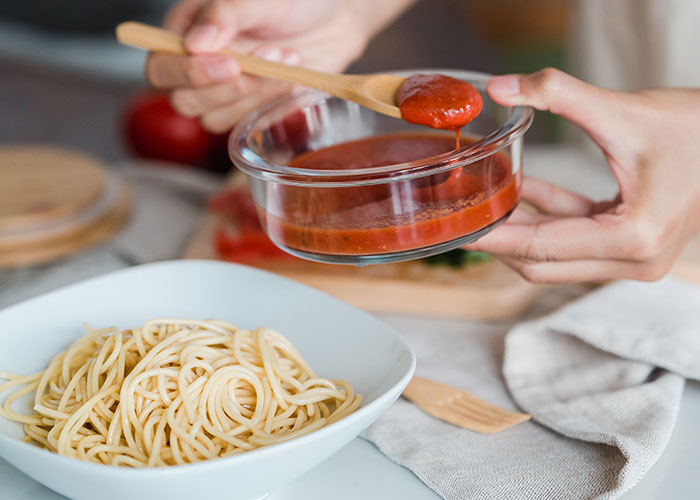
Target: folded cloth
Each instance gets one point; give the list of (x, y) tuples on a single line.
[(602, 378)]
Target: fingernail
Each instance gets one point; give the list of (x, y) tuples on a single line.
[(220, 71), (273, 54), (200, 37), (505, 85), (291, 57)]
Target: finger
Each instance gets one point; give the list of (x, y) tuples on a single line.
[(223, 118), (169, 70), (601, 113), (220, 21), (585, 270), (568, 238), (606, 205), (182, 15), (197, 101), (555, 200), (520, 216), (525, 215)]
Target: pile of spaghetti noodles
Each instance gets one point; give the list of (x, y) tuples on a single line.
[(174, 392)]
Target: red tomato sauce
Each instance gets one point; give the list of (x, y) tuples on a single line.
[(390, 217), (438, 101)]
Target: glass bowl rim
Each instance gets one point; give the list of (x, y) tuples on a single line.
[(253, 164)]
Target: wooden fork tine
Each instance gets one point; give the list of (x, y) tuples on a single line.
[(487, 412), (460, 419), (502, 420), (481, 407), (468, 398), (469, 423), (477, 413), (459, 407)]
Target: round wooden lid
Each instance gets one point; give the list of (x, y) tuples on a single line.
[(76, 239), (41, 183)]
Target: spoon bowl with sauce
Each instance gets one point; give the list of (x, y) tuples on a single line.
[(335, 182)]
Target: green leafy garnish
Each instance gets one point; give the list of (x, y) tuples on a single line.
[(457, 258)]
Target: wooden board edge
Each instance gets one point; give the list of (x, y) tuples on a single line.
[(97, 232), (424, 298), (200, 244)]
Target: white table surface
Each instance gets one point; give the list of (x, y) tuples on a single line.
[(363, 472), (359, 470)]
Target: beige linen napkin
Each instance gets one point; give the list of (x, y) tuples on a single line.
[(602, 378)]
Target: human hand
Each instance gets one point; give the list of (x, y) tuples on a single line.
[(325, 35), (651, 141)]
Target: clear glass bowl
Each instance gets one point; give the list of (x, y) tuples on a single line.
[(388, 213)]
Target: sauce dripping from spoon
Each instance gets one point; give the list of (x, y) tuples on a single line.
[(438, 101)]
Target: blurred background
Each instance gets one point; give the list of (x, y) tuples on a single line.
[(66, 81)]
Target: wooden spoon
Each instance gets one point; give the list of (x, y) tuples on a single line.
[(376, 92)]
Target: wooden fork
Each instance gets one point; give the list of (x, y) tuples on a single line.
[(459, 407)]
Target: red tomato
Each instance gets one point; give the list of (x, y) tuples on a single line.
[(292, 132), (246, 246), (153, 129), (237, 205), (219, 159)]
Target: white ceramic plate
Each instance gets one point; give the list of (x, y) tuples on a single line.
[(338, 340)]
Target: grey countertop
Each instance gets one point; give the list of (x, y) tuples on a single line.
[(171, 200), (71, 92)]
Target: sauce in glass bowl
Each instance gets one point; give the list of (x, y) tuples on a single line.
[(353, 220), (334, 182)]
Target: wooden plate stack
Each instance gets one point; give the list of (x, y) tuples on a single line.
[(55, 202)]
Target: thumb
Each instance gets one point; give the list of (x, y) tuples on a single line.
[(219, 21), (601, 113)]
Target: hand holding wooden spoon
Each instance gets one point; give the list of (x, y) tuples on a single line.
[(203, 84), (375, 92)]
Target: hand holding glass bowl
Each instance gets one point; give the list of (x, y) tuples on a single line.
[(336, 183)]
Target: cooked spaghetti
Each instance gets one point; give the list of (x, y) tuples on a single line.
[(174, 392)]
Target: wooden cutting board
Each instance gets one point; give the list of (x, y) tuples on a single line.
[(486, 290)]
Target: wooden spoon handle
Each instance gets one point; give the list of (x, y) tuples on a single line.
[(148, 37), (143, 36)]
